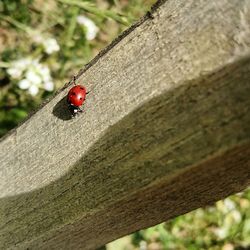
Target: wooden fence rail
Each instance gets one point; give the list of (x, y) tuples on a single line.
[(166, 129)]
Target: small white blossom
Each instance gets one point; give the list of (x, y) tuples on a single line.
[(33, 89), (33, 76), (50, 45), (14, 72), (36, 76), (44, 71), (230, 205), (25, 62), (49, 86), (24, 84), (92, 29), (18, 66), (46, 76)]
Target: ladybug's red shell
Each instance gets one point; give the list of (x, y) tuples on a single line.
[(76, 95)]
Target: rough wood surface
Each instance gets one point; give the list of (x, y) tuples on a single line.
[(166, 129)]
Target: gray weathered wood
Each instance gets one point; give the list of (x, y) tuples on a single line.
[(166, 129)]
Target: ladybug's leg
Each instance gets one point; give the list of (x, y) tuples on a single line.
[(73, 110), (74, 80), (80, 110), (77, 110)]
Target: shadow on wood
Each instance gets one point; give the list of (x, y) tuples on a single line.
[(61, 110), (156, 163)]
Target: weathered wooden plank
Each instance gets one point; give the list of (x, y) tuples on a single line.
[(166, 129)]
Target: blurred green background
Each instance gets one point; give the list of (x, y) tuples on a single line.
[(43, 43)]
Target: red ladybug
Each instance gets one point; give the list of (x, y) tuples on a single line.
[(75, 99)]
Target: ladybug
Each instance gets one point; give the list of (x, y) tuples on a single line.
[(75, 99)]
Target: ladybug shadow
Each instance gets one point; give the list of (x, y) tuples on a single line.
[(61, 110)]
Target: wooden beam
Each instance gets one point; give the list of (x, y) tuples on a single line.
[(166, 129)]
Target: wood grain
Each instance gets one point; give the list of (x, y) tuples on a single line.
[(166, 129)]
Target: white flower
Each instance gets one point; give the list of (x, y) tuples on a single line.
[(50, 45), (45, 72), (14, 72), (24, 63), (230, 205), (33, 89), (92, 29), (49, 86), (36, 76), (17, 67), (33, 77), (26, 84)]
